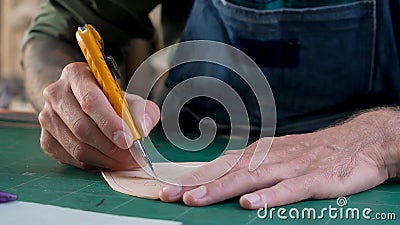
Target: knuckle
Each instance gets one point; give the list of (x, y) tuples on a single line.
[(88, 101), (232, 162), (50, 92), (114, 152), (104, 124), (43, 117), (80, 128), (244, 160), (259, 173), (291, 187), (78, 152), (71, 69), (263, 172), (219, 185), (197, 178)]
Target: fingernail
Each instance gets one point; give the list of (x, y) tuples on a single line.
[(198, 193), (147, 124), (122, 139), (172, 191), (252, 198)]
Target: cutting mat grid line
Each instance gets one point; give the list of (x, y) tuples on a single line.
[(252, 220), (25, 183), (120, 205), (60, 198), (185, 212)]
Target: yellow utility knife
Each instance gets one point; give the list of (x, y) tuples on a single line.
[(106, 72)]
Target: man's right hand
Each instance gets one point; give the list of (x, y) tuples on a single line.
[(80, 127)]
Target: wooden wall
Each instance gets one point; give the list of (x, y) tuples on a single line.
[(15, 16)]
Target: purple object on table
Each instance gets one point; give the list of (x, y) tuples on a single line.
[(7, 197)]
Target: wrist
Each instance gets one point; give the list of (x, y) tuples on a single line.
[(385, 125)]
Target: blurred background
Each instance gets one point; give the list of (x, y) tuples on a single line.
[(15, 17)]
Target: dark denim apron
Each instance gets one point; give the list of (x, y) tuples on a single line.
[(323, 64)]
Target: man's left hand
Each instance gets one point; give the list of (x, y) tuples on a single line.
[(337, 161)]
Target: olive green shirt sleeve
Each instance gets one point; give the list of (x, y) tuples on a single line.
[(117, 21)]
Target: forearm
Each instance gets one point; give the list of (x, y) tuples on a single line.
[(44, 59)]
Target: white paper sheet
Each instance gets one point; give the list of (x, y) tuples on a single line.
[(27, 213)]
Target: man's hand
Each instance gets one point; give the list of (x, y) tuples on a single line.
[(80, 127), (337, 161)]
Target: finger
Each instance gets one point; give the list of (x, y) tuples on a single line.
[(82, 126), (79, 150), (237, 183), (224, 188), (233, 183), (230, 163), (204, 174), (260, 152), (95, 104), (52, 148), (285, 192), (145, 114)]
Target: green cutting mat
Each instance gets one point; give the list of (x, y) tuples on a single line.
[(34, 177)]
